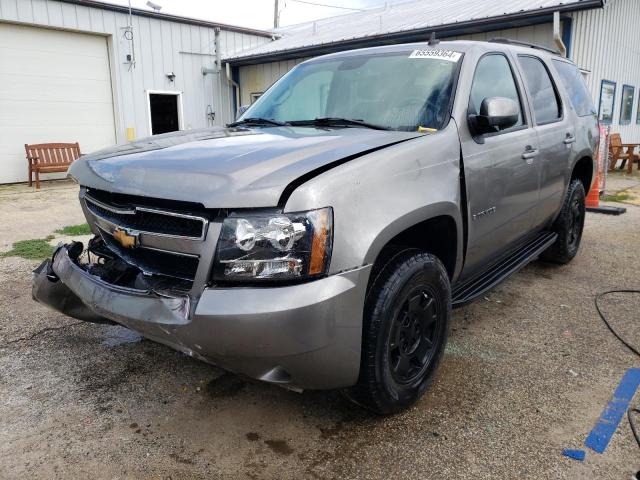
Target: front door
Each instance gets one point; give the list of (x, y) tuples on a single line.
[(500, 169)]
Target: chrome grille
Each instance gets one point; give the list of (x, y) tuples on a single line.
[(149, 220), (168, 242), (154, 261)]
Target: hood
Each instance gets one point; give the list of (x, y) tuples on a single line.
[(225, 168)]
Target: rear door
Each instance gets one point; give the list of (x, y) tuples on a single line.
[(500, 171), (555, 134)]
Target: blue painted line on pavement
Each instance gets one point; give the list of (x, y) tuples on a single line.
[(575, 454), (600, 436)]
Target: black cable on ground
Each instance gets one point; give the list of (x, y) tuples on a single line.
[(606, 322), (633, 410), (632, 423)]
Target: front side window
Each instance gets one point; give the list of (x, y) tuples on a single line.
[(626, 110), (493, 78), (576, 87), (397, 91), (544, 98)]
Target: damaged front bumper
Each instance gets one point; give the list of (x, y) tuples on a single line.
[(306, 335), (67, 287)]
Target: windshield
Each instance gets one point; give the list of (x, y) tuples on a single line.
[(400, 91)]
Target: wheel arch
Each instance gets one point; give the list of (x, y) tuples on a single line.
[(583, 170), (436, 229)]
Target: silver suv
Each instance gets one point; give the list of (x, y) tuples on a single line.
[(322, 240)]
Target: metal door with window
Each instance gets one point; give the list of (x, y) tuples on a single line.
[(555, 133), (501, 178)]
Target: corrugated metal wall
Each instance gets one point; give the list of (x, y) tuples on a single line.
[(605, 42), (161, 46), (257, 78), (541, 34), (229, 43)]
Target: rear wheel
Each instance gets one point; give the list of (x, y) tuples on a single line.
[(568, 226), (406, 324)]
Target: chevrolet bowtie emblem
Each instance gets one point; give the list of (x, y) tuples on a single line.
[(125, 238)]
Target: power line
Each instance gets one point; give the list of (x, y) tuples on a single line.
[(329, 6)]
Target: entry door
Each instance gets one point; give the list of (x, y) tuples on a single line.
[(165, 112), (500, 171)]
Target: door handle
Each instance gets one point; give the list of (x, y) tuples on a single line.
[(529, 154), (569, 139)]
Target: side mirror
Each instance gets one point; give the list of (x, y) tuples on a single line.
[(241, 110), (496, 113)]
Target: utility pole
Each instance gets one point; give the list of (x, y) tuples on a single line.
[(276, 15)]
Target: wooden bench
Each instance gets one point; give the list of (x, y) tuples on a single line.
[(49, 158), (616, 152)]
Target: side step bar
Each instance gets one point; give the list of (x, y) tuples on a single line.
[(469, 290)]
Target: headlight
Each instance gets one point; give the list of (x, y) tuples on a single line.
[(282, 246)]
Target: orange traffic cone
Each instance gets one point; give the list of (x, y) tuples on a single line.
[(593, 197), (592, 202)]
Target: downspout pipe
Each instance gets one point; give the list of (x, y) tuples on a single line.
[(557, 37), (216, 43), (233, 83)]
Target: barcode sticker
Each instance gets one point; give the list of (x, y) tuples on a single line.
[(448, 55)]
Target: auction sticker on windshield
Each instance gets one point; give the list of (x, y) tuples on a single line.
[(448, 55)]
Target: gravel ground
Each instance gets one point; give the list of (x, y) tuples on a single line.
[(527, 373), (27, 213)]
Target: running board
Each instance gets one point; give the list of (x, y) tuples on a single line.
[(471, 289)]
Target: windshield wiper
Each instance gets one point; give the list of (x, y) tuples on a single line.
[(337, 122), (257, 121)]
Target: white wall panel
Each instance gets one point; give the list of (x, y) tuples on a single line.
[(605, 42), (161, 46), (56, 88)]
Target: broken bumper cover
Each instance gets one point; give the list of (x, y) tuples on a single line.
[(306, 336)]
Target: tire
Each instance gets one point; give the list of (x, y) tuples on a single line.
[(569, 226), (406, 324)]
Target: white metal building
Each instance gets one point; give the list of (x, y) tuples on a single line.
[(599, 35), (81, 70)]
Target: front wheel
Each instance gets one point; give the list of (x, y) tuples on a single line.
[(406, 324), (568, 226)]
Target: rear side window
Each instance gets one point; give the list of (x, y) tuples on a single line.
[(544, 99), (493, 78), (579, 95)]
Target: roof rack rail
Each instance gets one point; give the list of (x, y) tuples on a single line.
[(508, 41)]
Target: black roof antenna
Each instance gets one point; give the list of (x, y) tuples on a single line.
[(433, 40)]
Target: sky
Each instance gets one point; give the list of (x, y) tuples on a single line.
[(254, 13)]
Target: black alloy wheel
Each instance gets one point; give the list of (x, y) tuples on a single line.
[(576, 222), (414, 336), (404, 332), (569, 226)]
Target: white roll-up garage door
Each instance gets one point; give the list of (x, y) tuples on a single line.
[(55, 86)]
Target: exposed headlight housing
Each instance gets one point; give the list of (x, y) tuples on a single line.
[(277, 246)]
